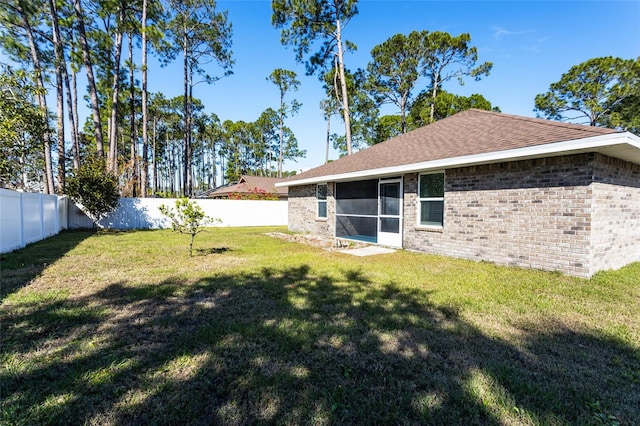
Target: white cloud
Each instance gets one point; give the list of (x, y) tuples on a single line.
[(500, 32)]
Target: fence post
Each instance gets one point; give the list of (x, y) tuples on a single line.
[(42, 229), (22, 244), (57, 213)]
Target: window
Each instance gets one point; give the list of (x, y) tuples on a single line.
[(321, 195), (431, 198)]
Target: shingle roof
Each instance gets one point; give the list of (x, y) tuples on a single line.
[(248, 183), (470, 132)]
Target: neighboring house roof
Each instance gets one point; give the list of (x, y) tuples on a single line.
[(247, 184), (473, 137)]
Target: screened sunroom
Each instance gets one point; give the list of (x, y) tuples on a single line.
[(370, 211)]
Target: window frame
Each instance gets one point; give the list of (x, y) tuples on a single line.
[(420, 200), (322, 201)]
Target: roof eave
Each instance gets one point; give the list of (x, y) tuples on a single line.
[(620, 145)]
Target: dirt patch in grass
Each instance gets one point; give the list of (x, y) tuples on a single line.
[(325, 243)]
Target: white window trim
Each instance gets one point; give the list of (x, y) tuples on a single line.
[(420, 200), (325, 201)]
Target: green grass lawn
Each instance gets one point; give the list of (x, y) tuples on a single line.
[(126, 328)]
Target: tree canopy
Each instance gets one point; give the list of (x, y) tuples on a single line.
[(446, 104), (305, 22), (448, 57), (600, 91), (23, 125), (393, 71)]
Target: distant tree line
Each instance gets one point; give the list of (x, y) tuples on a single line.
[(153, 145)]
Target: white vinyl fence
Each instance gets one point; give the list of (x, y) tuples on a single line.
[(27, 217), (144, 213)]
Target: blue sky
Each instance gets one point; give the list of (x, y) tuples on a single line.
[(531, 44)]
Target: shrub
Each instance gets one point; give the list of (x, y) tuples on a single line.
[(94, 189)]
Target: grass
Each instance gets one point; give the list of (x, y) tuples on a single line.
[(126, 328)]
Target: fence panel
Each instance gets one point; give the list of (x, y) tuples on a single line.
[(63, 212), (50, 220), (27, 217), (32, 217), (10, 220), (144, 213)]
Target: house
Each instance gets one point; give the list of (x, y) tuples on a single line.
[(252, 186), (488, 186)]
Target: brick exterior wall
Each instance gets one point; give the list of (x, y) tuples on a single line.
[(577, 214), (303, 210), (615, 239), (532, 213)]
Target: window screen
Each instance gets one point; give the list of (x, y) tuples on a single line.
[(357, 210), (321, 195), (359, 198), (390, 199), (431, 198), (432, 185), (357, 227)]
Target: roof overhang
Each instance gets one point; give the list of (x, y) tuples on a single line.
[(625, 146)]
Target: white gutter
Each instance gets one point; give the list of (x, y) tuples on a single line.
[(554, 149)]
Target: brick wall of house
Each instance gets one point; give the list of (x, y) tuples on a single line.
[(615, 239), (303, 210), (577, 214), (532, 213)]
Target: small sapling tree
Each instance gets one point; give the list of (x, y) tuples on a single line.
[(187, 218)]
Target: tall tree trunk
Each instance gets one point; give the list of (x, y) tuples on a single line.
[(203, 168), (72, 123), (281, 140), (222, 167), (74, 108), (112, 156), (154, 166), (213, 164), (403, 115), (326, 155), (42, 100), (132, 124), (93, 91), (434, 93), (343, 84), (181, 178), (59, 64), (188, 146), (170, 156), (73, 131), (144, 171), (186, 105)]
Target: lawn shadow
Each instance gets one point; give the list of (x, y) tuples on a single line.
[(213, 250), (19, 267), (293, 345)]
